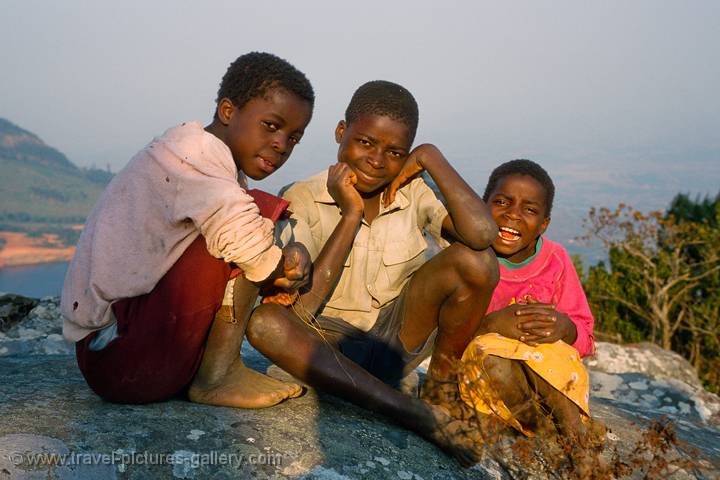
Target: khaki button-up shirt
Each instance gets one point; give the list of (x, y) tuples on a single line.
[(385, 253)]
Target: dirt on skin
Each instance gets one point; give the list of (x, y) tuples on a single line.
[(19, 249)]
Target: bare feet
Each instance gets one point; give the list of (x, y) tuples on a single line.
[(455, 437), (243, 387), (597, 431), (447, 396), (584, 444)]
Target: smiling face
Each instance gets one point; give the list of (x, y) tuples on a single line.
[(375, 148), (262, 133), (518, 207)]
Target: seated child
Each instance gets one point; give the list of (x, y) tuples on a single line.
[(539, 323), (375, 307), (153, 262)]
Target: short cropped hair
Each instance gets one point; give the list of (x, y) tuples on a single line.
[(523, 167), (380, 97), (254, 74)]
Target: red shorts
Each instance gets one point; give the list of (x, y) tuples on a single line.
[(162, 334)]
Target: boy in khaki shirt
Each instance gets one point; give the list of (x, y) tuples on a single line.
[(376, 306)]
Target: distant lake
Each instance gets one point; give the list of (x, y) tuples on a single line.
[(34, 280), (46, 279)]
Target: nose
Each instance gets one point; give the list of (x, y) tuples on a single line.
[(375, 159), (512, 212), (280, 144)]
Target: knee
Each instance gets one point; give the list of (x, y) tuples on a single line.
[(498, 368), (507, 377), (478, 269), (267, 327)]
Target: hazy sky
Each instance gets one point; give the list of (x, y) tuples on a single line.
[(586, 89)]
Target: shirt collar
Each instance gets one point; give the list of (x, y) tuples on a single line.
[(401, 201), (514, 266)]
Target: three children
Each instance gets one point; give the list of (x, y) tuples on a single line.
[(147, 297)]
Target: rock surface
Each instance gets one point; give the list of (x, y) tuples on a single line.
[(646, 358), (13, 309), (46, 408), (647, 377), (39, 333)]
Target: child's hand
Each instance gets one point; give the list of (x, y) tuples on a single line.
[(505, 322), (281, 297), (413, 166), (541, 323), (341, 185), (295, 269)]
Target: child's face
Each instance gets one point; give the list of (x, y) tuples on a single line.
[(518, 207), (375, 148), (262, 134)]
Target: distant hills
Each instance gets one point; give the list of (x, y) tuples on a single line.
[(38, 184)]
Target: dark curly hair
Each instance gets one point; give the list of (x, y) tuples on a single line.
[(523, 167), (252, 75), (380, 97)]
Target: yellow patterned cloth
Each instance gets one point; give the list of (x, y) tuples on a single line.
[(558, 363)]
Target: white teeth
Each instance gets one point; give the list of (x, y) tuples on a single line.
[(510, 230)]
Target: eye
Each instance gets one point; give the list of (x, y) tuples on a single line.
[(532, 211), (271, 126), (363, 142), (395, 154), (294, 139), (499, 201)]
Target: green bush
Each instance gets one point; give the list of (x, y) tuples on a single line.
[(661, 282)]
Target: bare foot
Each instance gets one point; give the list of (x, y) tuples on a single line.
[(598, 433), (455, 437), (447, 396), (584, 443), (243, 387), (582, 463), (444, 394)]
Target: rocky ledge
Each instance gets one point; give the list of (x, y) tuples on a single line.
[(53, 426)]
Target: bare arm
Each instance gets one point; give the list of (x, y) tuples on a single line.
[(469, 220), (329, 263)]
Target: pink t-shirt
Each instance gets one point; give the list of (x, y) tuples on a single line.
[(549, 278), (181, 185)]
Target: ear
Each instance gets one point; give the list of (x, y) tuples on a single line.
[(225, 110), (339, 130), (544, 225)]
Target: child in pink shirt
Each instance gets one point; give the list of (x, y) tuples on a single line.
[(538, 324), (145, 294)]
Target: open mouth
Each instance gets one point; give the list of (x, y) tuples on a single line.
[(510, 234)]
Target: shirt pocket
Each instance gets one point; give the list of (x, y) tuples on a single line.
[(350, 293), (400, 260)]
